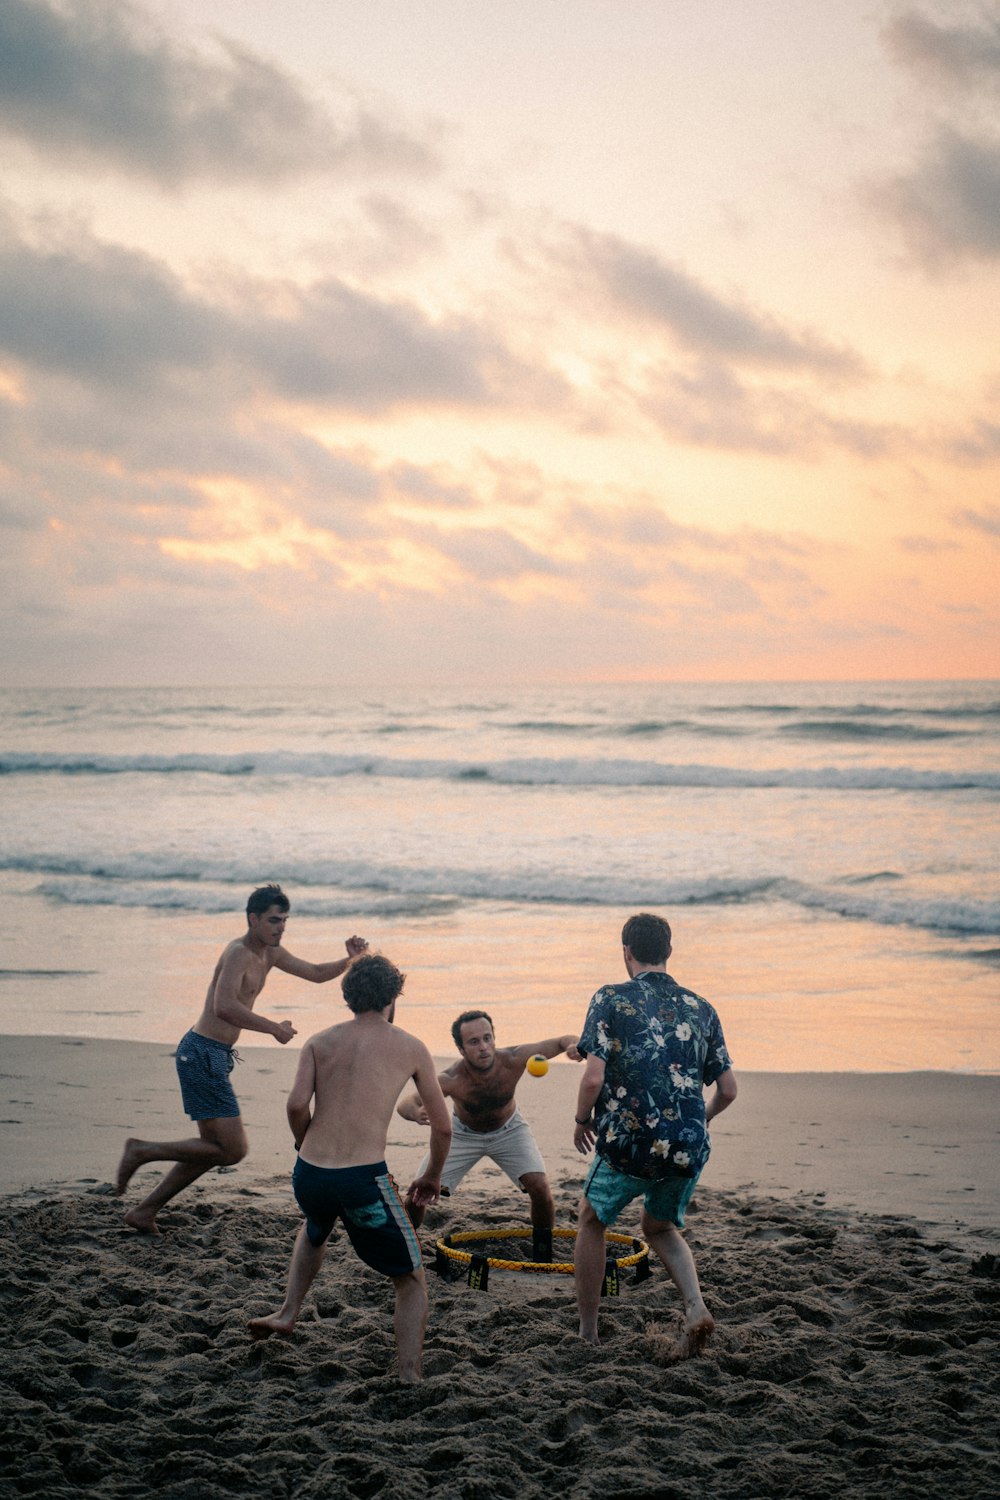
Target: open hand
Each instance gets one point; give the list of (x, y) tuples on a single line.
[(424, 1191)]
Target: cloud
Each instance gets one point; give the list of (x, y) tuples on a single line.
[(93, 312), (99, 313), (710, 406), (663, 296), (492, 555), (946, 203), (986, 522), (96, 81), (924, 546), (957, 57)]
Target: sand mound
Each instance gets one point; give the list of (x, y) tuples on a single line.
[(854, 1358)]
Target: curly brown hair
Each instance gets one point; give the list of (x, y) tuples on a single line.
[(371, 983)]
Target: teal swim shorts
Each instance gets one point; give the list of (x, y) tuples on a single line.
[(609, 1191)]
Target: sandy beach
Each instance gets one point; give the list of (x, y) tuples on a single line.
[(846, 1230)]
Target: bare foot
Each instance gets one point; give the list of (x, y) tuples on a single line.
[(412, 1376), (262, 1328), (130, 1162), (698, 1329), (589, 1335), (145, 1222)]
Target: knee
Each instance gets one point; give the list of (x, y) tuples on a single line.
[(538, 1190), (412, 1286), (233, 1152), (586, 1217), (656, 1228)]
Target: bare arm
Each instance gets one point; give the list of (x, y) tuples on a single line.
[(411, 1106), (725, 1094), (427, 1188), (230, 1008), (301, 968), (300, 1098), (551, 1047), (590, 1087)]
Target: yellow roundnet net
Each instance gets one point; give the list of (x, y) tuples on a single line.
[(448, 1247)]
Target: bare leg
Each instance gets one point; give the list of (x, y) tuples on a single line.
[(221, 1143), (543, 1215), (543, 1208), (410, 1323), (306, 1261), (673, 1249), (588, 1269)]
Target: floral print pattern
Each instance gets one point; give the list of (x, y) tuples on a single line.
[(661, 1044)]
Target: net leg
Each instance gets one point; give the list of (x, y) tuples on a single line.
[(479, 1273), (541, 1246)]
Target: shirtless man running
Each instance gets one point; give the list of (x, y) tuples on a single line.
[(487, 1121), (205, 1056), (353, 1073)]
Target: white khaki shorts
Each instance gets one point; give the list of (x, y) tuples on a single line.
[(512, 1147)]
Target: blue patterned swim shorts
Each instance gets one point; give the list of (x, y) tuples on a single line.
[(203, 1067)]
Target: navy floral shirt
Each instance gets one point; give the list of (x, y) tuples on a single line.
[(661, 1044)]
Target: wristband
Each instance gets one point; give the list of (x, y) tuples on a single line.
[(587, 1120)]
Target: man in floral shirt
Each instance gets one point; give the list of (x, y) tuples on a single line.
[(650, 1048)]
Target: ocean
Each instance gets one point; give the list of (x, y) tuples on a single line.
[(827, 854)]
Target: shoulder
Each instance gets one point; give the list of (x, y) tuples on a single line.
[(412, 1047), (692, 999), (607, 994), (321, 1041), (237, 951)]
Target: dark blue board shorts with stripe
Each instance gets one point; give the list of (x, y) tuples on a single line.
[(368, 1202)]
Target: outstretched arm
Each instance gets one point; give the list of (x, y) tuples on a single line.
[(301, 968), (411, 1106), (551, 1047)]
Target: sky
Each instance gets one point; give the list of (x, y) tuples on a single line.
[(432, 341)]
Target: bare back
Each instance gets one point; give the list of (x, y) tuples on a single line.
[(354, 1073)]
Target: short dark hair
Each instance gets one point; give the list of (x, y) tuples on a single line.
[(265, 896), (459, 1022), (371, 983), (648, 937)]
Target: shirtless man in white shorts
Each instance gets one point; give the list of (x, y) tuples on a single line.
[(486, 1120)]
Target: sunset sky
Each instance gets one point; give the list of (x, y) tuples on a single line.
[(387, 341)]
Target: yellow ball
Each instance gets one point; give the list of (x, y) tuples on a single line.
[(538, 1065)]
